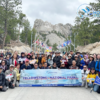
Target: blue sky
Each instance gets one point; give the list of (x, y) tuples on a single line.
[(53, 11)]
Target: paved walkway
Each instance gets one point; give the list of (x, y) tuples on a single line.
[(49, 93)]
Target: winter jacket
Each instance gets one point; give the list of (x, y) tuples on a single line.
[(57, 60), (13, 62), (69, 62), (8, 63), (25, 67), (8, 72), (2, 79), (77, 62), (43, 61), (82, 62), (91, 76), (17, 74), (84, 74), (91, 64), (97, 66)]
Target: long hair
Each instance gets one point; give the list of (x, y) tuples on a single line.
[(93, 69)]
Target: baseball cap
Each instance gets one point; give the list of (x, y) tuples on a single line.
[(29, 54), (91, 56), (26, 60)]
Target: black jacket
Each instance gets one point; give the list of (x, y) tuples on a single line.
[(57, 60), (77, 63), (2, 79), (69, 62)]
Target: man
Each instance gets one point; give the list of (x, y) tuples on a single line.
[(73, 66), (77, 61), (85, 72), (54, 66), (45, 66), (8, 53), (2, 80), (72, 53), (62, 66), (10, 77), (38, 58), (36, 66), (69, 60), (26, 66)]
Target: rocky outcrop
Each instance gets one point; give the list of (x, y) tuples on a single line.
[(46, 27), (91, 48)]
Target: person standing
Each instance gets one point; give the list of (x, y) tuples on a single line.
[(91, 62), (17, 70)]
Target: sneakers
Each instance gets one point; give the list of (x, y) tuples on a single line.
[(7, 87), (91, 90)]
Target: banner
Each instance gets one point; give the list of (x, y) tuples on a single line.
[(50, 77), (97, 80)]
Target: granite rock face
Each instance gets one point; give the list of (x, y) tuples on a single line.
[(54, 33)]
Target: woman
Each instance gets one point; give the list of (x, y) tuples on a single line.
[(44, 59), (86, 60), (33, 61), (95, 57), (65, 61), (91, 78), (91, 62), (17, 70), (29, 56), (3, 65), (14, 60), (50, 61)]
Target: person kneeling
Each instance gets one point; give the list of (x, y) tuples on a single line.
[(85, 72), (10, 77), (91, 78), (2, 80)]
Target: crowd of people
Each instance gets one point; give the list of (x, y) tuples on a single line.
[(12, 64)]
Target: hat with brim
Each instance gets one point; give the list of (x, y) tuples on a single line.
[(11, 65), (75, 56), (69, 55), (91, 56)]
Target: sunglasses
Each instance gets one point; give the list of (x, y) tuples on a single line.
[(84, 67)]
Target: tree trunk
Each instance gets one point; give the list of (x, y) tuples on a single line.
[(5, 34)]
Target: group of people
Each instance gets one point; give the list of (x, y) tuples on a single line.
[(12, 64)]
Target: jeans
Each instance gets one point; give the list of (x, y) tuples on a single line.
[(95, 87)]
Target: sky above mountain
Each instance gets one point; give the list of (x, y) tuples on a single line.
[(53, 11)]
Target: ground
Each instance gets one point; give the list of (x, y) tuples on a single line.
[(49, 93)]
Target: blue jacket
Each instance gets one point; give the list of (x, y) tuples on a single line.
[(25, 67), (92, 64), (96, 66), (83, 63)]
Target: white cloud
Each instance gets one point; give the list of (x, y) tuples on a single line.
[(53, 11)]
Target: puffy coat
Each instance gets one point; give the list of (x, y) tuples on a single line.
[(91, 76)]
